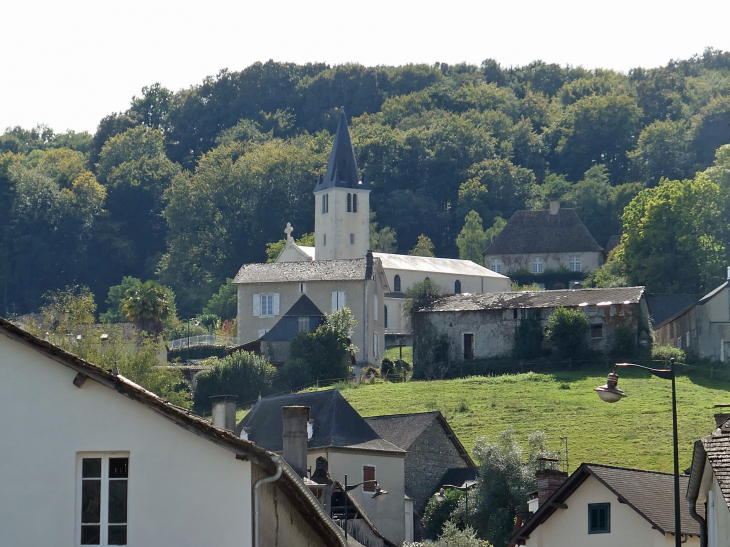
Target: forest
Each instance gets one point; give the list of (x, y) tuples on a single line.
[(184, 187)]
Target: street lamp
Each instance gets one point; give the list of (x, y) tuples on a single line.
[(611, 394), (440, 496), (378, 495)]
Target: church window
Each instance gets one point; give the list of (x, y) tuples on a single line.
[(385, 316), (352, 239), (324, 204), (396, 283), (349, 203), (338, 300), (537, 267), (457, 287), (354, 203), (496, 265)]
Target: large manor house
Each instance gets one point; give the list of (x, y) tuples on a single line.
[(279, 299)]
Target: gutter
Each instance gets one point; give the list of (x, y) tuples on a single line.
[(699, 457), (257, 529)]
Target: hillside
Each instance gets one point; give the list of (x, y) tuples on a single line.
[(636, 432)]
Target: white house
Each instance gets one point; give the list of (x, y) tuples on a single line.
[(602, 505), (89, 458)]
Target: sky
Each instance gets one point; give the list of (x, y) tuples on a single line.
[(69, 63)]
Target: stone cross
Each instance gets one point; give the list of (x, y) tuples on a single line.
[(288, 230)]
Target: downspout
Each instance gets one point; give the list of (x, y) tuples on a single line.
[(272, 478), (700, 520), (695, 478)]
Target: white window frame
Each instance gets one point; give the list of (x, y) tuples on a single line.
[(104, 513), (268, 309), (537, 265), (338, 300), (575, 263), (496, 265)]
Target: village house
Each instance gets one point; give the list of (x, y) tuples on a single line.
[(303, 316), (483, 325), (535, 242), (601, 505), (120, 466), (702, 329)]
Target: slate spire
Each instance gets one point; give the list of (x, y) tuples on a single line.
[(342, 171)]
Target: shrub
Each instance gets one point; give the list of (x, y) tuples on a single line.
[(293, 375), (567, 329), (437, 513), (624, 344), (664, 353), (421, 295), (370, 373), (243, 374), (528, 339), (387, 367)]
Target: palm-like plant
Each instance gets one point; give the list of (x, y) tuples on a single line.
[(147, 305)]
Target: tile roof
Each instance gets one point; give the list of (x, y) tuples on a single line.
[(536, 299), (434, 265), (649, 493), (318, 270), (335, 423), (663, 307), (541, 232)]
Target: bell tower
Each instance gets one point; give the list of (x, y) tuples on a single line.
[(341, 204)]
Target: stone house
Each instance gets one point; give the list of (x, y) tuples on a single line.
[(701, 329), (601, 505), (432, 452), (120, 466), (535, 242), (351, 448), (483, 325)]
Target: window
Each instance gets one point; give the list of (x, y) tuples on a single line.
[(368, 478), (375, 307), (324, 204), (102, 499), (352, 239), (303, 324), (376, 345), (537, 265), (599, 518), (324, 240), (349, 203), (457, 287), (354, 203), (496, 265), (302, 287), (327, 203), (468, 346), (385, 316), (265, 305), (596, 332), (396, 283), (575, 263), (686, 336), (515, 313), (338, 300)]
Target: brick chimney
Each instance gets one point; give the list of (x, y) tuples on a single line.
[(548, 481), (294, 437), (554, 207), (224, 411)]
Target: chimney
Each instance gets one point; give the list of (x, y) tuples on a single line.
[(548, 481), (294, 437), (224, 411), (554, 207)]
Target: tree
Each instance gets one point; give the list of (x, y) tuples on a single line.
[(384, 240), (273, 250), (115, 298), (148, 305), (421, 295), (567, 329), (224, 303), (528, 338), (472, 240), (438, 513), (424, 247), (664, 150)]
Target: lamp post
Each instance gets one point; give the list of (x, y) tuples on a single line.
[(440, 496), (378, 495), (610, 393)]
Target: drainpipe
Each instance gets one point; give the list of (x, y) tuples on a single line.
[(701, 521), (272, 478)]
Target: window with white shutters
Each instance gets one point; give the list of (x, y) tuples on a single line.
[(265, 305)]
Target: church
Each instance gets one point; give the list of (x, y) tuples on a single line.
[(341, 270)]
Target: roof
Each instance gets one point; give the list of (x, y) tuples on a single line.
[(309, 251), (335, 423), (318, 270), (435, 265), (663, 307), (404, 429), (649, 493), (298, 493), (342, 171), (541, 232), (537, 299), (304, 307), (716, 447), (713, 293), (458, 476)]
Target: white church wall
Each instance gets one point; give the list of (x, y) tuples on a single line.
[(447, 281), (337, 225)]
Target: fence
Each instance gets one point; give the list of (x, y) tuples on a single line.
[(203, 340)]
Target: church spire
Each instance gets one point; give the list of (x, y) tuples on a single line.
[(342, 171)]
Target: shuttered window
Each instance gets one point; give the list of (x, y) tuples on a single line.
[(368, 474)]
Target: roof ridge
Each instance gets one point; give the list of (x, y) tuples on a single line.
[(629, 469), (434, 412)]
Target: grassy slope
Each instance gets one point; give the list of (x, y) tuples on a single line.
[(635, 432)]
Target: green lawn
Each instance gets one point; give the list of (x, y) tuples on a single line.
[(393, 353), (635, 432)]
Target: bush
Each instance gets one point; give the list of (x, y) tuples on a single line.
[(399, 367), (567, 329), (624, 344), (243, 374), (293, 375), (528, 339), (664, 353), (437, 513), (370, 373)]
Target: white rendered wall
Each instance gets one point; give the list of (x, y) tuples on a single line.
[(338, 224), (183, 489)]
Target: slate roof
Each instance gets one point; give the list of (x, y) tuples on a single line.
[(712, 293), (335, 423), (304, 307), (342, 171), (541, 232), (457, 476), (536, 299), (663, 307), (404, 429), (435, 265), (649, 493), (318, 270), (716, 447)]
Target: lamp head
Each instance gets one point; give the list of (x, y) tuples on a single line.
[(379, 492), (440, 496), (610, 393)]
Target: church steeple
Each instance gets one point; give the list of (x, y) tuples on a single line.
[(342, 171)]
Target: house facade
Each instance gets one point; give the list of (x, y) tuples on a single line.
[(536, 242), (703, 328), (601, 505), (117, 465), (483, 325)]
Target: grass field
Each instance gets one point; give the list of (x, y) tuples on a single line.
[(635, 432), (393, 353)]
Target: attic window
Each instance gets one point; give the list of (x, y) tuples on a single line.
[(599, 518)]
